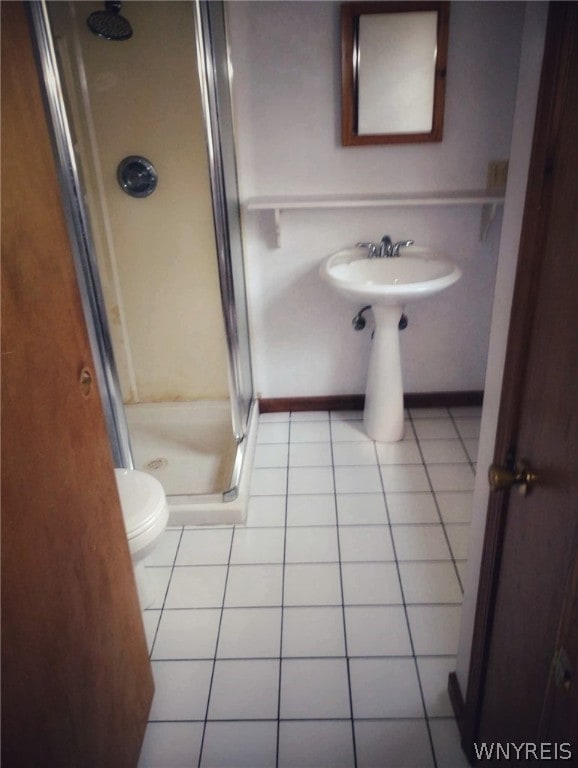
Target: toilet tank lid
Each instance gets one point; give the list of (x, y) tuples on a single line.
[(142, 498)]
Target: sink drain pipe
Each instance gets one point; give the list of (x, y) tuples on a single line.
[(359, 320)]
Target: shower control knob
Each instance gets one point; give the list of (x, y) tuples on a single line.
[(137, 176)]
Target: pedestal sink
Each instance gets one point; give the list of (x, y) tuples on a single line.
[(387, 284)]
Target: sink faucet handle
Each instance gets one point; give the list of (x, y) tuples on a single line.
[(400, 244), (371, 249)]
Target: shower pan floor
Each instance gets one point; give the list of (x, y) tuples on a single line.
[(189, 447)]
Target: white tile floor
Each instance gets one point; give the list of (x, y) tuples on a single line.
[(322, 632)]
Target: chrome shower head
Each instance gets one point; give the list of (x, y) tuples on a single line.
[(109, 23)]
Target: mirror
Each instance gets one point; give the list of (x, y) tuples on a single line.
[(393, 66)]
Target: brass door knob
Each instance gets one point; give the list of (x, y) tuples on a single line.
[(522, 477)]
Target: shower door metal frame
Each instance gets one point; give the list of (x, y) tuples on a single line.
[(210, 15), (240, 381), (81, 240)]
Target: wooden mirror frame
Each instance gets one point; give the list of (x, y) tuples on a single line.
[(350, 13)]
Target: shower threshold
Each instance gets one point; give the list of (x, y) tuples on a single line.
[(190, 448)]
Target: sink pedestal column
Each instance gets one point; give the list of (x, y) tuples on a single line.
[(383, 414)]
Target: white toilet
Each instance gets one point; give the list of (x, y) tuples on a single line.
[(146, 513)]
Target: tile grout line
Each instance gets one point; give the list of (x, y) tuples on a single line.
[(321, 657), (166, 593), (283, 595), (321, 562), (346, 648), (414, 656), (434, 496), (199, 764), (462, 439), (473, 467), (295, 719)]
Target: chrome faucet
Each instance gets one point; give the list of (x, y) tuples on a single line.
[(386, 248), (371, 249), (401, 244), (389, 249)]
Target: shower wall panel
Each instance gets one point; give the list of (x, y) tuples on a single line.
[(157, 255)]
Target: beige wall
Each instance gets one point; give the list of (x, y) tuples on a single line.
[(157, 254)]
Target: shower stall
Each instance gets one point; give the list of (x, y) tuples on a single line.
[(139, 98)]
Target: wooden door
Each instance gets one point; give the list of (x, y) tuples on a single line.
[(519, 689), (76, 679)]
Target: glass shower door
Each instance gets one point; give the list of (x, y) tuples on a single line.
[(149, 308), (214, 63)]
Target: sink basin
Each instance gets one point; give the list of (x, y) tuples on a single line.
[(387, 284), (416, 274)]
